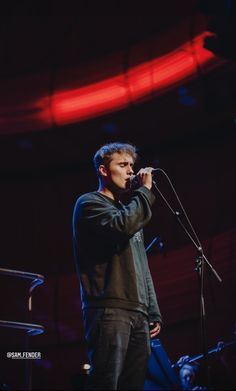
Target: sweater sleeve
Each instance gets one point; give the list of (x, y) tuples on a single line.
[(153, 308), (109, 220)]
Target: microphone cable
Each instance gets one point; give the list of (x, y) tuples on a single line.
[(176, 213)]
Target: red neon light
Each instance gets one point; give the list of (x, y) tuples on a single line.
[(140, 81), (33, 108), (98, 98)]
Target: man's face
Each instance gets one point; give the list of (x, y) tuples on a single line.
[(119, 170)]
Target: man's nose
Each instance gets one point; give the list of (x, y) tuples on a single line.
[(130, 171)]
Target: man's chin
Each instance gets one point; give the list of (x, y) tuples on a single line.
[(123, 190)]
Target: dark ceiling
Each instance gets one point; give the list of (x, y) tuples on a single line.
[(35, 37)]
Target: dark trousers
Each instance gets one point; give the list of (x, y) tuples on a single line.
[(118, 348)]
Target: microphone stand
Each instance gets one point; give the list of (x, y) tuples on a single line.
[(200, 261)]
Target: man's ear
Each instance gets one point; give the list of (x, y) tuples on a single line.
[(102, 170)]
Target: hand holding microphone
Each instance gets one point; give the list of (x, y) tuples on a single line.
[(143, 178)]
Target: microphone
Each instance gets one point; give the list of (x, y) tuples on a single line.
[(134, 181)]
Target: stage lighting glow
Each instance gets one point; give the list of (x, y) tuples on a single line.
[(142, 81)]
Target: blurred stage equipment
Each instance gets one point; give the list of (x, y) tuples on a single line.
[(190, 368), (160, 374), (187, 375), (217, 349), (184, 374), (31, 329), (159, 245)]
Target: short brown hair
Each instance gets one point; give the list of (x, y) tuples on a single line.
[(104, 154)]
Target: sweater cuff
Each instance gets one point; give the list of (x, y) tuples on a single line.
[(156, 318), (147, 193)]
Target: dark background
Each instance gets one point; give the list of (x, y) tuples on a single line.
[(189, 131)]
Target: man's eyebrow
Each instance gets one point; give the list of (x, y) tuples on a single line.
[(124, 162)]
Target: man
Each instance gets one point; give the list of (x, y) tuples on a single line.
[(118, 298)]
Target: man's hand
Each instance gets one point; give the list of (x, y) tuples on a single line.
[(145, 177), (155, 329)]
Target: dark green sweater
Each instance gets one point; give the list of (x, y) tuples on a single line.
[(110, 254)]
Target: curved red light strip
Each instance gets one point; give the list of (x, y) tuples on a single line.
[(141, 81), (26, 104)]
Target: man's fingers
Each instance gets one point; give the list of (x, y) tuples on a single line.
[(155, 330)]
